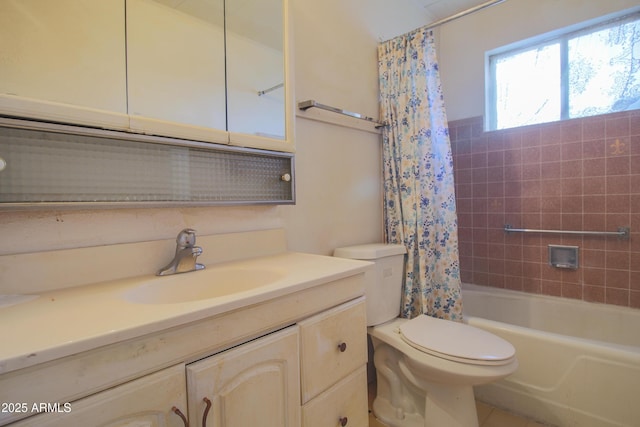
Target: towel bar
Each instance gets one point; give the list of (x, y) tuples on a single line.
[(305, 105)]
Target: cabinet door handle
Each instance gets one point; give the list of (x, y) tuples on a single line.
[(342, 347), (206, 411), (343, 421), (179, 413)]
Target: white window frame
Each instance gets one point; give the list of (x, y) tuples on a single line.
[(561, 36)]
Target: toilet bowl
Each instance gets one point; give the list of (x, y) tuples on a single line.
[(425, 367)]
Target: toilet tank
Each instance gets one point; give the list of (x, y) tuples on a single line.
[(383, 283)]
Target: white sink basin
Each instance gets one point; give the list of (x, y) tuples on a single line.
[(200, 285)]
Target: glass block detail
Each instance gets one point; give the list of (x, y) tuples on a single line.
[(48, 167)]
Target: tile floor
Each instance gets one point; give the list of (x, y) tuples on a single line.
[(488, 416)]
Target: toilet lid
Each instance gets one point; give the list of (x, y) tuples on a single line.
[(456, 341)]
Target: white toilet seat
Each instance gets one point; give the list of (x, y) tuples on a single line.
[(456, 341)]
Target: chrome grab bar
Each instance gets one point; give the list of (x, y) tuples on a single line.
[(623, 233)]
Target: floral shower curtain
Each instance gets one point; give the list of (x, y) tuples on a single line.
[(419, 197)]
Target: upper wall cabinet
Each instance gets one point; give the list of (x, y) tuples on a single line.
[(64, 61), (257, 72), (204, 70), (176, 68)]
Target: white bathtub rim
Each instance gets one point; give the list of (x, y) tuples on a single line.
[(607, 311), (628, 353), (559, 300)]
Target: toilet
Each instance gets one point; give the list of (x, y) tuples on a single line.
[(425, 367)]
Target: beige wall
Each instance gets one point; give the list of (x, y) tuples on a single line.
[(338, 167), (462, 43), (338, 164)]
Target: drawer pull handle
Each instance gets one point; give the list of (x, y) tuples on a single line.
[(206, 411), (179, 413), (342, 347), (343, 421)]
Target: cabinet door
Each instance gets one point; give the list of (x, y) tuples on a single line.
[(176, 68), (147, 401), (255, 384), (259, 77), (64, 61)]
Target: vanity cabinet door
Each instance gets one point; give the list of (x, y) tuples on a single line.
[(176, 68), (147, 401), (255, 384), (64, 61)]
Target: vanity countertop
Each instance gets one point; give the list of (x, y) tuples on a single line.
[(64, 322)]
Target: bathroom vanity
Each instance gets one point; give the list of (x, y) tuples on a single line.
[(289, 351)]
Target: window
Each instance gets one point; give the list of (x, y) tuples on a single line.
[(580, 72)]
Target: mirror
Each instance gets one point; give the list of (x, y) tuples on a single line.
[(60, 59), (255, 67), (175, 61), (178, 52), (175, 68)]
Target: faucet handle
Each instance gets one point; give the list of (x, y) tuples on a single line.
[(186, 238)]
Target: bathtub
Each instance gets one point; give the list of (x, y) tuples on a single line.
[(579, 361)]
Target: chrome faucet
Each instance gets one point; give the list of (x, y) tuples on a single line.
[(186, 255)]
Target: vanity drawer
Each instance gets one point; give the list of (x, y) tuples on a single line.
[(343, 404), (332, 345)]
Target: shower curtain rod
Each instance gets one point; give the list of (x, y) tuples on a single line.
[(458, 15), (469, 11)]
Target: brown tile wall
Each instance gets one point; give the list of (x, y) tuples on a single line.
[(581, 174)]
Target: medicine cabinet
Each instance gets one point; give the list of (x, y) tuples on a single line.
[(214, 71)]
